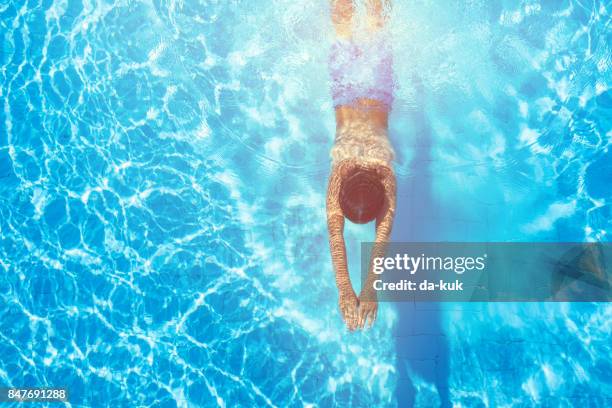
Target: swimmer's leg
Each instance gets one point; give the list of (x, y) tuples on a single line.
[(342, 12), (377, 13)]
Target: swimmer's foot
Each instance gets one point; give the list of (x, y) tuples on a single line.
[(342, 16), (349, 307), (368, 309), (377, 13)]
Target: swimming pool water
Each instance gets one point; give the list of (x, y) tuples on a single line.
[(163, 167)]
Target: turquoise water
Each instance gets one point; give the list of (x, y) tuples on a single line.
[(163, 167)]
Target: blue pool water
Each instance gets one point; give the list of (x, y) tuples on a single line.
[(163, 166)]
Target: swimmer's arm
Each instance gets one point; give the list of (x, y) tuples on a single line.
[(348, 300), (384, 224), (335, 225)]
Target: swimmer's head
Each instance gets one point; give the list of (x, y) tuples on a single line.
[(362, 196)]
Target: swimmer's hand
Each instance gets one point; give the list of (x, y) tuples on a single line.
[(349, 307), (368, 308)]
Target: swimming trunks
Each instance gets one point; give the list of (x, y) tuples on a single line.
[(362, 69)]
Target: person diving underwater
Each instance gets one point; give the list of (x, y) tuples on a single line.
[(362, 185)]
